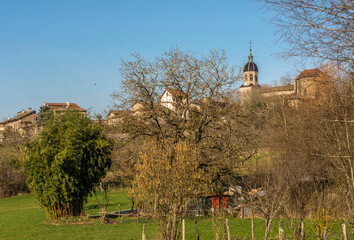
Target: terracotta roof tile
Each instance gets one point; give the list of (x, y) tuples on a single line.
[(309, 73), (65, 105), (278, 89), (175, 92)]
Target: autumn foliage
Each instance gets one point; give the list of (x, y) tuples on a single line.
[(168, 178)]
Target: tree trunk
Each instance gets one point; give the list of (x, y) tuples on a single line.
[(325, 233), (137, 214), (133, 203), (293, 227), (267, 229), (281, 231)]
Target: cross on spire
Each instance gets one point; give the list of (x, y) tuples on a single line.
[(250, 57)]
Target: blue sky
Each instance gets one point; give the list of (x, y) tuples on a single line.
[(59, 51)]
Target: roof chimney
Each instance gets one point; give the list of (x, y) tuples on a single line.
[(68, 104), (29, 109)]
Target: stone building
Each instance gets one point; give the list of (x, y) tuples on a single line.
[(62, 107), (115, 116), (23, 122), (311, 84)]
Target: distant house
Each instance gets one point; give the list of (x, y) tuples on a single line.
[(116, 116), (171, 97), (62, 107), (24, 121)]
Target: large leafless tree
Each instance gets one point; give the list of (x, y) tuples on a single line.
[(320, 29)]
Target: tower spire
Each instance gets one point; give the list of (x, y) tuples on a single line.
[(250, 57)]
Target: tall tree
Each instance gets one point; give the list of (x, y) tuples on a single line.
[(65, 162), (204, 111), (168, 178), (315, 28), (12, 177)]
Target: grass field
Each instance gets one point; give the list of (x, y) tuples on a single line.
[(21, 217)]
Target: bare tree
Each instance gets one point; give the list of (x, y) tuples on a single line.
[(265, 194), (320, 29), (312, 147), (167, 179), (204, 111), (12, 177)]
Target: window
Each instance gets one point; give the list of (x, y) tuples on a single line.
[(251, 77)]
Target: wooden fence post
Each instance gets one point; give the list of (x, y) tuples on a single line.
[(252, 223), (143, 235), (302, 233), (183, 230), (196, 227), (344, 229), (325, 233), (227, 229)]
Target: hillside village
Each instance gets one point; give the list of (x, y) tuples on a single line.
[(193, 147), (307, 86)]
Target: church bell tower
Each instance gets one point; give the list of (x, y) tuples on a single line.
[(250, 84)]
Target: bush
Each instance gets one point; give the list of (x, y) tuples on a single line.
[(65, 162)]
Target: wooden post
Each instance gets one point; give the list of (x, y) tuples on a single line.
[(228, 229), (225, 230), (143, 235), (281, 231), (119, 213), (196, 227), (183, 230), (252, 223), (302, 233), (241, 212), (344, 229), (325, 233)]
